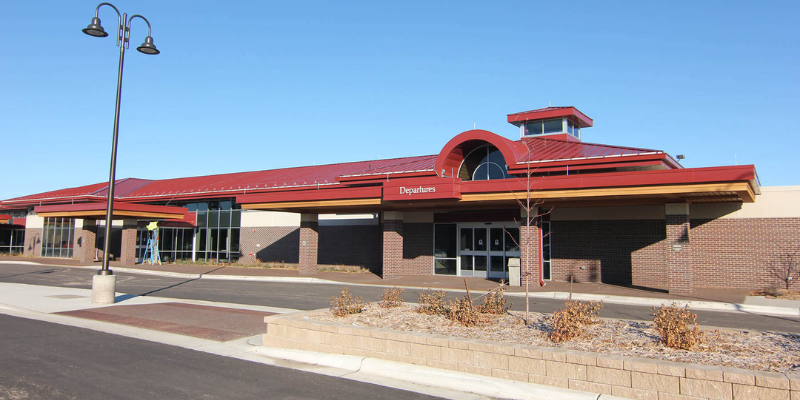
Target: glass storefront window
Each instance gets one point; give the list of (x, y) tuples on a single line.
[(445, 249), (58, 235), (12, 241)]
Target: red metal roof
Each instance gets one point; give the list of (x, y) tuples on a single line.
[(544, 149), (76, 192), (123, 187), (298, 177), (551, 112)]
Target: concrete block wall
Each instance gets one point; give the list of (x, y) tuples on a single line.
[(626, 377)]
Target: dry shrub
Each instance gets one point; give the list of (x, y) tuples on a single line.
[(392, 298), (432, 303), (494, 302), (345, 304), (675, 327), (463, 312), (569, 323)]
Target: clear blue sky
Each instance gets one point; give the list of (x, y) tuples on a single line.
[(242, 86)]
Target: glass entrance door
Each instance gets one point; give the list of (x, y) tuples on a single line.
[(484, 249)]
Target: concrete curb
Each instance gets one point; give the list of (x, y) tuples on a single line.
[(432, 377), (654, 302), (625, 300)]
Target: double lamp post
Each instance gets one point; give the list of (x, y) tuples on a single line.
[(104, 283)]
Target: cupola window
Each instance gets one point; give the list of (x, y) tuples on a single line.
[(551, 126)]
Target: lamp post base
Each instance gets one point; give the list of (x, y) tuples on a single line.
[(103, 289)]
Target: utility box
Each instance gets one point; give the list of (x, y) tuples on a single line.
[(513, 271)]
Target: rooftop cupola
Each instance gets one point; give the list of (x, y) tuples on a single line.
[(558, 122)]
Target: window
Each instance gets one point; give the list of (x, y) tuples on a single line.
[(484, 163), (58, 235), (217, 235), (444, 249), (12, 241), (551, 126)]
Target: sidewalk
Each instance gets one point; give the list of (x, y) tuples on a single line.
[(233, 330), (703, 299)]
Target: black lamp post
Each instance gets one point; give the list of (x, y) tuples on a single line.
[(123, 38)]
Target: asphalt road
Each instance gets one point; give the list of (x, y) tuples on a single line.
[(309, 296), (41, 360)]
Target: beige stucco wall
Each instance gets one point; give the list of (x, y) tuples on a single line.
[(34, 222), (258, 219), (607, 213), (773, 202)]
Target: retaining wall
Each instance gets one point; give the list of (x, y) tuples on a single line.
[(627, 377)]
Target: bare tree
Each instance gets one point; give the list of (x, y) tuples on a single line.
[(530, 204), (787, 267)]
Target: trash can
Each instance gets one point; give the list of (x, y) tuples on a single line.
[(513, 271)]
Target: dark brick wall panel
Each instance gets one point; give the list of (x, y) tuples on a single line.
[(614, 251), (348, 245), (352, 245), (417, 249)]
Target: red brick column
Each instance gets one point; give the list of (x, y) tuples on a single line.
[(679, 249), (530, 238), (85, 249), (392, 240), (309, 244), (128, 248)]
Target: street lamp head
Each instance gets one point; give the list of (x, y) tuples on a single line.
[(148, 47), (95, 29)]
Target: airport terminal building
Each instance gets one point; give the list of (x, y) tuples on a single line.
[(612, 214)]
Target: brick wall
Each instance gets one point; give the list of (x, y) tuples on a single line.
[(530, 239), (275, 244), (128, 243), (85, 239), (678, 254), (309, 247), (353, 245), (392, 249), (743, 253), (613, 251), (417, 249)]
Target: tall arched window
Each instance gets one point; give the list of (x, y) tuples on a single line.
[(484, 163)]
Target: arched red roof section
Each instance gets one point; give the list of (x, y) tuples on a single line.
[(453, 153)]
